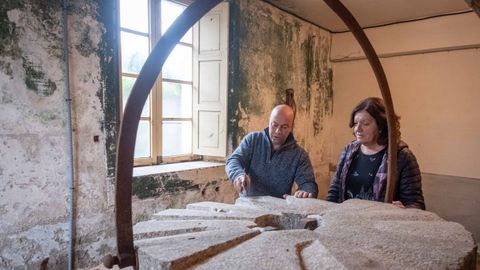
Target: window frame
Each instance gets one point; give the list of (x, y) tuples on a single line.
[(156, 118)]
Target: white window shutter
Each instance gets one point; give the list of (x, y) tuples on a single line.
[(210, 82)]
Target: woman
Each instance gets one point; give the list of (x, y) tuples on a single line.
[(362, 168)]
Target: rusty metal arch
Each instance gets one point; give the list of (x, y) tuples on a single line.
[(372, 57), (126, 255), (128, 129)]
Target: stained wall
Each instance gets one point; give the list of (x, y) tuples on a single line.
[(34, 147)]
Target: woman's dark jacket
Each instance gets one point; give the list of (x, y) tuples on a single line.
[(409, 184)]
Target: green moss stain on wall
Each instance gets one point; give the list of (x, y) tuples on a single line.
[(85, 47), (145, 187), (109, 92), (283, 34), (36, 80), (154, 186), (6, 68), (308, 51), (324, 95), (8, 31), (46, 20), (172, 183)]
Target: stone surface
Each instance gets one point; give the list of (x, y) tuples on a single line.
[(270, 250), (182, 251), (230, 208), (188, 214), (158, 228), (382, 236), (356, 234), (289, 205)]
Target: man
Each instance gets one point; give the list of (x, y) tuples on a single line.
[(267, 163)]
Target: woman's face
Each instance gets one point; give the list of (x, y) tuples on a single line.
[(365, 128)]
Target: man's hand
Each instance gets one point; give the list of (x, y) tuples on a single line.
[(241, 183), (303, 194)]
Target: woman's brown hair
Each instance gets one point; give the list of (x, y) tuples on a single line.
[(376, 108)]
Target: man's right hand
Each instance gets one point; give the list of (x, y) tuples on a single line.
[(241, 183)]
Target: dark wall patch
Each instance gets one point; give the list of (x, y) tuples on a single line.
[(48, 13), (234, 131), (35, 79), (153, 186), (172, 184), (145, 187), (109, 80), (308, 54), (324, 95), (105, 13), (85, 47), (6, 68), (8, 31)]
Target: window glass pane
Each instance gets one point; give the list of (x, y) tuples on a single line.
[(134, 52), (134, 15), (177, 100), (127, 85), (142, 145), (179, 64), (170, 12), (177, 138)]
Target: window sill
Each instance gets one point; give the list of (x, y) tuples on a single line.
[(174, 167)]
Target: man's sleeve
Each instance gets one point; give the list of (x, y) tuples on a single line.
[(304, 176), (237, 163)]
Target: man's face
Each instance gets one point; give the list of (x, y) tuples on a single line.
[(279, 127)]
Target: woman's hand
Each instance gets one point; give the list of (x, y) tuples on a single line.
[(398, 204)]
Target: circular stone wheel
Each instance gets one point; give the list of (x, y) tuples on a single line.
[(269, 233)]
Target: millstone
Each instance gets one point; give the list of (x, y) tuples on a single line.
[(268, 233)]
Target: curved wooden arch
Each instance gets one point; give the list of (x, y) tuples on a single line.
[(126, 255)]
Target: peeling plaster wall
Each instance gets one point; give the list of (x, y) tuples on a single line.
[(33, 133), (271, 51)]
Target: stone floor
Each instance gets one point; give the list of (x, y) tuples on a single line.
[(268, 233)]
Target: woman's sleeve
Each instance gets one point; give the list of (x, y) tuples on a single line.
[(336, 184), (410, 181)]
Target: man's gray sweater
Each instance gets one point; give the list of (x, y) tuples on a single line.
[(271, 172)]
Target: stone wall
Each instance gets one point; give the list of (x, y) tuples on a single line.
[(34, 137)]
